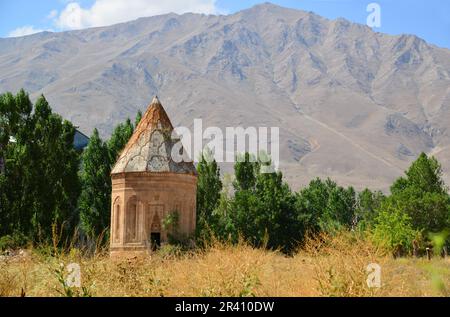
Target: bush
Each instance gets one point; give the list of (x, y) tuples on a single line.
[(14, 241), (394, 231)]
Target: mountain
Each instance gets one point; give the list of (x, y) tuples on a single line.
[(352, 104)]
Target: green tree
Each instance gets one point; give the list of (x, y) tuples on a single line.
[(241, 219), (97, 162), (340, 211), (40, 168), (119, 138), (246, 170), (224, 227), (422, 195), (262, 210), (54, 171), (15, 121), (209, 187), (325, 206), (425, 173), (394, 231), (369, 203), (311, 203), (95, 198), (275, 214), (138, 119), (171, 224)]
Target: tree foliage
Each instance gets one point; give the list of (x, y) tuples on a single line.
[(422, 195), (119, 138), (97, 162), (369, 203), (209, 186), (40, 185), (138, 118), (46, 184), (261, 210), (325, 206), (394, 231), (95, 198)]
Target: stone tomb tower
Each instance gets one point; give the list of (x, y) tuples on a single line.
[(147, 186)]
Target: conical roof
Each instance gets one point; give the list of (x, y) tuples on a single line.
[(150, 147)]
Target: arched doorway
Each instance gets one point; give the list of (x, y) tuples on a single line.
[(153, 225), (155, 228)]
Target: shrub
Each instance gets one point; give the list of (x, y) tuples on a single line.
[(394, 231), (14, 241)]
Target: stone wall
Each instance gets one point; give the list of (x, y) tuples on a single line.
[(140, 203)]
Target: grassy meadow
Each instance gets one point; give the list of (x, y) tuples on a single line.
[(325, 266)]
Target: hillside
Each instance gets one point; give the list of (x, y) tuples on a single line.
[(352, 104)]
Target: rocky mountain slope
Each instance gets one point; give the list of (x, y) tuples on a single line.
[(352, 104)]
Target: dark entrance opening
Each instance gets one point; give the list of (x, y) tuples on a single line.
[(155, 240)]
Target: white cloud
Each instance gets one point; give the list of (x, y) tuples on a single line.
[(107, 12), (24, 30)]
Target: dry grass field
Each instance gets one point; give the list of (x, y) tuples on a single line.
[(323, 267)]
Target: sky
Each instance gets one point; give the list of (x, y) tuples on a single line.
[(428, 19)]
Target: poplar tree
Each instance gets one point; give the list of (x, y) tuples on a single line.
[(40, 182), (95, 198), (209, 187), (119, 138)]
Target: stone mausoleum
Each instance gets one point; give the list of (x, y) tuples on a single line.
[(148, 185)]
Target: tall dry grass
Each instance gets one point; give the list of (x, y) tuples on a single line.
[(324, 266)]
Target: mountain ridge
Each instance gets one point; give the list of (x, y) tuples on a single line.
[(352, 104)]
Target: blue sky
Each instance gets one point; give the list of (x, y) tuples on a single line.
[(429, 19)]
